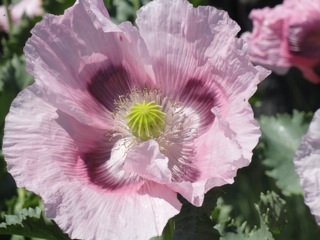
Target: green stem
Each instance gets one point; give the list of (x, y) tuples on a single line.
[(6, 4), (136, 6)]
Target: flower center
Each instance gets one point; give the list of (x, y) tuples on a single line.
[(146, 120)]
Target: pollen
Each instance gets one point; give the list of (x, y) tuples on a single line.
[(146, 120)]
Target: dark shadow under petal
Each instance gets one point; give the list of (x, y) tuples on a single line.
[(316, 69), (108, 84)]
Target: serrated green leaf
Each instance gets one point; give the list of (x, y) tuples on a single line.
[(13, 74), (271, 212), (221, 213), (281, 136), (31, 223), (13, 78), (274, 212), (241, 232), (195, 222)]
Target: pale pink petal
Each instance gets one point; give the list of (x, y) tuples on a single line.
[(266, 45), (41, 141), (62, 55), (202, 59), (86, 213), (147, 161), (89, 73), (186, 42), (307, 165), (192, 56)]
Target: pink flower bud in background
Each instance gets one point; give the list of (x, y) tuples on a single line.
[(285, 36), (30, 8)]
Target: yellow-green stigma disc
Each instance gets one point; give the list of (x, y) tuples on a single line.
[(146, 120)]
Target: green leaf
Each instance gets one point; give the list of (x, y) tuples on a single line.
[(271, 213), (241, 233), (125, 10), (18, 237), (12, 204), (274, 211), (2, 166), (281, 136), (31, 223), (167, 232), (300, 223), (195, 222), (13, 74), (13, 78), (15, 42), (56, 7)]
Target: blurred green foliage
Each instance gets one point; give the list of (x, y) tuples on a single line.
[(281, 136)]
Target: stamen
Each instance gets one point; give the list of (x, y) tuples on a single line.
[(146, 120)]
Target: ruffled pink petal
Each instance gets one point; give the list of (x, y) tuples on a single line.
[(266, 42), (66, 53), (39, 153), (193, 61), (43, 148), (86, 213), (182, 39), (219, 167), (286, 36), (188, 45), (210, 70), (215, 166), (147, 161), (307, 165)]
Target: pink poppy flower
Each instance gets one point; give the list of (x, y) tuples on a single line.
[(287, 35), (31, 8), (307, 165), (122, 119)]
